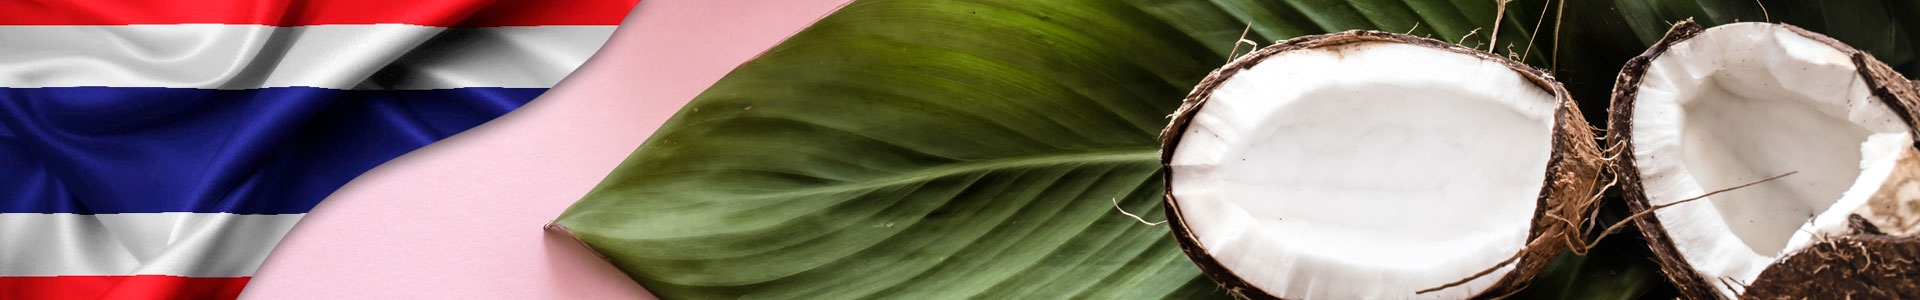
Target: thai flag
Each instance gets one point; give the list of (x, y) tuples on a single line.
[(157, 149)]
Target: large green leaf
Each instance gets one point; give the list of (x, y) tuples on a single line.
[(976, 148)]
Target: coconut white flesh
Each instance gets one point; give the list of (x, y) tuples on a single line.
[(1742, 102), (1364, 171), (1881, 155)]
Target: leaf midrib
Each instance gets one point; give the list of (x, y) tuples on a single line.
[(1115, 155)]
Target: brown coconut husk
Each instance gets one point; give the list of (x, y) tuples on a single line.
[(1566, 199), (1848, 267), (1894, 90)]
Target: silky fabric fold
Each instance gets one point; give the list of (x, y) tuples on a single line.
[(161, 149), (261, 151)]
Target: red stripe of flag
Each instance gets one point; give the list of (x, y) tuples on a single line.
[(438, 13), (121, 287)]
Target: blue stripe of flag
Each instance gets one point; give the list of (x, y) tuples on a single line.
[(103, 150)]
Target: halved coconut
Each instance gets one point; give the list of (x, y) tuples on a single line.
[(1709, 109), (1365, 164)]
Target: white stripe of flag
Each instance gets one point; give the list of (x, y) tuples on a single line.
[(177, 244), (235, 57)]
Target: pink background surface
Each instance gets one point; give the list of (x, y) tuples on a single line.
[(463, 218)]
